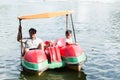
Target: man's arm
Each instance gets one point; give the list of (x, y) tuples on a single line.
[(19, 35)]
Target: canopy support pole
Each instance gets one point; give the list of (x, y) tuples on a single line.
[(20, 30), (73, 27), (66, 21)]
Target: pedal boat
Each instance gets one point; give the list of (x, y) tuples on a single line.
[(57, 56)]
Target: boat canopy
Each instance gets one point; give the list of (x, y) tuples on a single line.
[(45, 15)]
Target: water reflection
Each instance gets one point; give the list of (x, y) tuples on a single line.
[(58, 74)]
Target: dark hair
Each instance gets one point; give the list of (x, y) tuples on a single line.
[(68, 32), (32, 31)]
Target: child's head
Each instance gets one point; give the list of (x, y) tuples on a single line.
[(68, 33)]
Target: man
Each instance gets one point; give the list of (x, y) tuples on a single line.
[(32, 42)]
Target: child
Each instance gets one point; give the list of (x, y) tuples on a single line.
[(68, 35)]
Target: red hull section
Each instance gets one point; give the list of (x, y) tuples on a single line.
[(71, 51), (35, 56)]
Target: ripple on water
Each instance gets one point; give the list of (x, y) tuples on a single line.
[(8, 68), (103, 62)]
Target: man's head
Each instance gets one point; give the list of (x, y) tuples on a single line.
[(68, 33), (32, 33)]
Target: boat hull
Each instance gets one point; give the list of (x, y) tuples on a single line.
[(69, 56), (73, 56), (76, 67), (34, 67), (35, 61), (75, 63)]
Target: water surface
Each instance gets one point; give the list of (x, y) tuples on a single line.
[(97, 27)]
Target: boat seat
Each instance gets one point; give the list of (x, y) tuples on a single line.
[(60, 42), (54, 54)]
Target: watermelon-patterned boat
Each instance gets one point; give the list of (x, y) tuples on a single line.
[(57, 56)]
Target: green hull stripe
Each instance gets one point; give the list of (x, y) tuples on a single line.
[(53, 65), (75, 60), (34, 66)]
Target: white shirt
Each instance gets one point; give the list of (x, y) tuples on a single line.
[(33, 43), (68, 40)]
